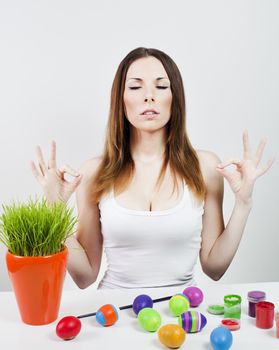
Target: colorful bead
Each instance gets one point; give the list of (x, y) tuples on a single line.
[(107, 315)]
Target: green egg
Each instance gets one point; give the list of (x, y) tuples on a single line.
[(149, 319), (178, 304)]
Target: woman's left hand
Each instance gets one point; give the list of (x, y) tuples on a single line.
[(242, 179)]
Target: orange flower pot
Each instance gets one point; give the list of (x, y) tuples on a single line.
[(37, 283)]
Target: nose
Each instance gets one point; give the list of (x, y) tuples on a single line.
[(149, 98), (149, 93)]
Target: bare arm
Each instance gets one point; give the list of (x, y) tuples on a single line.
[(86, 247), (219, 243)]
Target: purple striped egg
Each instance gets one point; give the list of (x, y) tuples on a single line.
[(192, 321)]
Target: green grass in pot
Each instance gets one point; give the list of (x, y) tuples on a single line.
[(36, 228)]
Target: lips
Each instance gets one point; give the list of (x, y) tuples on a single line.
[(149, 112)]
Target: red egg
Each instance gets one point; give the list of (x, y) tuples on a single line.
[(68, 327)]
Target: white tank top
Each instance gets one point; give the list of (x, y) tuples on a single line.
[(150, 248)]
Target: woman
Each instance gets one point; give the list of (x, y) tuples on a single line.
[(151, 200)]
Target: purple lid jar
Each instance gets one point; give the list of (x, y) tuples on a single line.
[(253, 298)]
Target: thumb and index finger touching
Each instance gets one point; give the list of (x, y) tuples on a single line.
[(42, 168), (65, 169), (247, 154)]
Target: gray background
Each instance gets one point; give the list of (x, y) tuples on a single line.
[(57, 62)]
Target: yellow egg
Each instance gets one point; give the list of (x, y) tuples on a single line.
[(172, 335)]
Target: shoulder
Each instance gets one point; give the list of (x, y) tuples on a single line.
[(208, 162), (207, 158), (90, 165), (87, 170)]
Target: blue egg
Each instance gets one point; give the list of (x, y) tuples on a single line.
[(221, 338), (141, 302)]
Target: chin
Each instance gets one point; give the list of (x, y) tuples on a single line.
[(150, 128)]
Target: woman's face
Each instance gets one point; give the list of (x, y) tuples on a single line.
[(147, 94)]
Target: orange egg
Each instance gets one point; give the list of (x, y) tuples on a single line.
[(172, 335)]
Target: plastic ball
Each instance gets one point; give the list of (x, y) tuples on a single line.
[(142, 301), (221, 338), (171, 335), (178, 304), (107, 315), (195, 296), (149, 319), (68, 327), (192, 321)]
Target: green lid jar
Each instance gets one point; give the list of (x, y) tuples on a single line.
[(232, 306)]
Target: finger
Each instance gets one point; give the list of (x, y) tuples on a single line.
[(35, 172), (259, 152), (230, 161), (75, 183), (69, 170), (42, 163), (227, 175), (246, 146), (52, 159), (264, 169)]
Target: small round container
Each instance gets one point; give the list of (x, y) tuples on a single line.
[(232, 306), (264, 314), (232, 324), (277, 324), (216, 309), (254, 297)]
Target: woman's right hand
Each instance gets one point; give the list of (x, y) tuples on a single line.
[(52, 179)]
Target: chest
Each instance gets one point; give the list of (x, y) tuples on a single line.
[(142, 194)]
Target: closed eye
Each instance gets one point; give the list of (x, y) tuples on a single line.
[(138, 87)]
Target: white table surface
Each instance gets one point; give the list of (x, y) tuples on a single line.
[(126, 333)]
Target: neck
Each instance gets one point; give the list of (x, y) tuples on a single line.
[(148, 147)]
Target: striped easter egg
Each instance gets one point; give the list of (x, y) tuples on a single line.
[(192, 321)]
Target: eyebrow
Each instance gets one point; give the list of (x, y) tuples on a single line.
[(159, 78)]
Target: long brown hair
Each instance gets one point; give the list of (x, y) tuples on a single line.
[(117, 167)]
